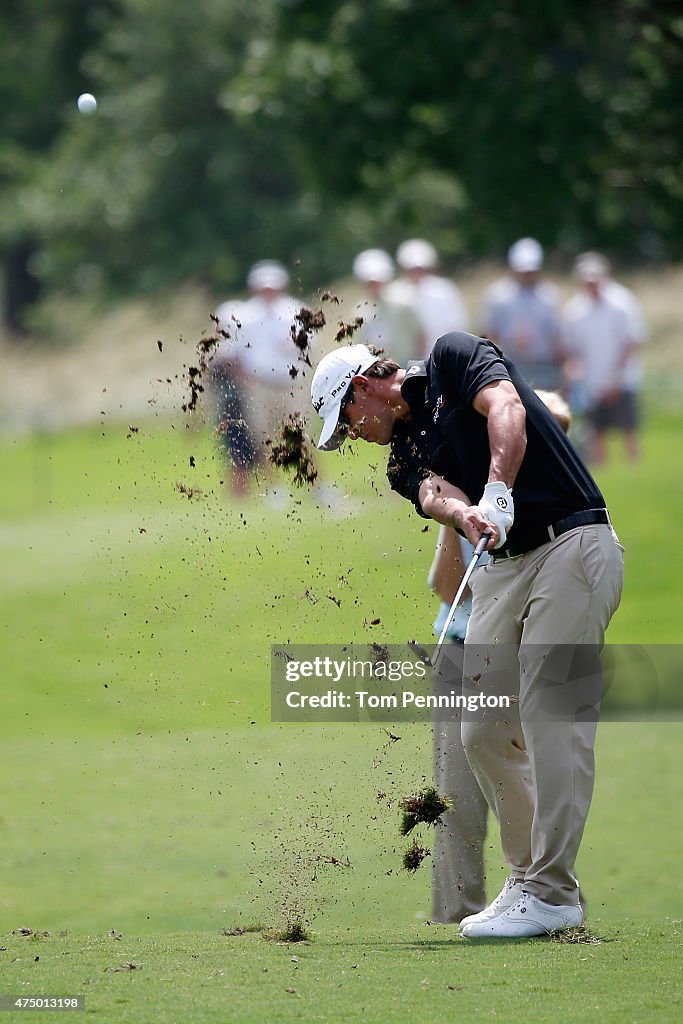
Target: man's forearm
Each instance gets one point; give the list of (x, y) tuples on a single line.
[(442, 501), (507, 441)]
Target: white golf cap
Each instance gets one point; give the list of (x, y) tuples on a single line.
[(416, 253), (591, 266), (331, 381), (267, 274), (525, 256), (373, 265)]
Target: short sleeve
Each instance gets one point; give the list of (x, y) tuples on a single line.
[(466, 364)]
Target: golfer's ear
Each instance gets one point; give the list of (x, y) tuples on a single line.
[(360, 382)]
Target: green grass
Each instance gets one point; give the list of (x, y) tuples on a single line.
[(638, 495), (121, 582), (402, 978), (145, 792), (168, 840)]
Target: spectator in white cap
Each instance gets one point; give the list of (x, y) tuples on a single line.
[(603, 334), (386, 320), (521, 316), (267, 276), (436, 300), (263, 351)]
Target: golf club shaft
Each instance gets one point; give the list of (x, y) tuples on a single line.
[(478, 551)]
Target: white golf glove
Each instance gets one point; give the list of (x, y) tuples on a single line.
[(497, 506)]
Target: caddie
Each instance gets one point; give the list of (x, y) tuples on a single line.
[(473, 447)]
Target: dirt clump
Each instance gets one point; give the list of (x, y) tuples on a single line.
[(424, 808), (206, 350), (413, 857), (290, 450), (306, 322)]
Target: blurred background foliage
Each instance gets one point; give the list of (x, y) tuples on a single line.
[(304, 130)]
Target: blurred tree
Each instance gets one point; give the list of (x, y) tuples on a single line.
[(165, 182), (41, 42), (306, 129), (559, 120), (161, 184)]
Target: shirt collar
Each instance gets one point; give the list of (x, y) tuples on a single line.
[(414, 382)]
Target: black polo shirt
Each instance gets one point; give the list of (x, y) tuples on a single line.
[(447, 436)]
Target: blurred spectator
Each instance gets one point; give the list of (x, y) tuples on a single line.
[(521, 316), (558, 407), (227, 379), (603, 334), (436, 300), (387, 322), (266, 351), (258, 383)]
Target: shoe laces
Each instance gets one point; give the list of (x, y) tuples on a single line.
[(522, 901), (510, 884)]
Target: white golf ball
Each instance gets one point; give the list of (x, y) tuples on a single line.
[(86, 103)]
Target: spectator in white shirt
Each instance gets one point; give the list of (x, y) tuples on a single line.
[(603, 335), (388, 322), (265, 351), (436, 300)]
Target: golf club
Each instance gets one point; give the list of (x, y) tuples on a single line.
[(434, 657)]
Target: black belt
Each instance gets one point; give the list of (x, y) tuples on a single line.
[(590, 517)]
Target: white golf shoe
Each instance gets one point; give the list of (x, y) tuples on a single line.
[(506, 898), (529, 916)]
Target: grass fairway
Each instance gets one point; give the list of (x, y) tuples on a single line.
[(147, 803), (196, 977)]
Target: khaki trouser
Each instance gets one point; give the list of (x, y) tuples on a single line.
[(537, 773)]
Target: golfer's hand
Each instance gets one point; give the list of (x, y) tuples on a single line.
[(473, 523), (498, 509)]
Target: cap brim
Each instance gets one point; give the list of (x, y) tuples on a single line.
[(331, 436), (590, 272), (525, 268)]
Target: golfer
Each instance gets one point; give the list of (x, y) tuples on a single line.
[(473, 447)]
